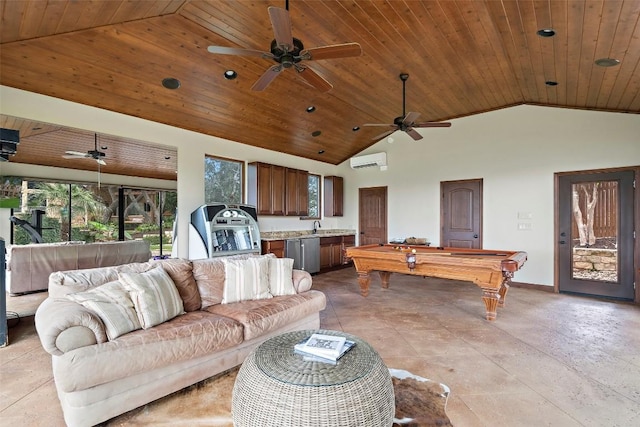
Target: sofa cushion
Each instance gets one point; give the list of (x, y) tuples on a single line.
[(190, 336), (112, 303), (154, 296), (281, 276), (181, 272), (262, 316), (246, 279)]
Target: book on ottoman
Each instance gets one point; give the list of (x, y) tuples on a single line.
[(323, 348)]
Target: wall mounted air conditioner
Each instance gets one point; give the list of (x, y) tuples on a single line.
[(369, 160)]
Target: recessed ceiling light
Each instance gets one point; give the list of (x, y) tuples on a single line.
[(311, 109), (230, 74), (551, 83), (546, 32), (103, 147), (36, 128), (171, 83), (321, 152), (355, 128), (316, 133), (167, 157), (607, 62)]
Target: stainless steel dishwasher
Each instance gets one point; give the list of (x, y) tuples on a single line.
[(305, 253)]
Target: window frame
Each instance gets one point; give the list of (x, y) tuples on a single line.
[(319, 197)]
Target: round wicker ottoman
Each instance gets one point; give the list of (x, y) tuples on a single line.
[(276, 387)]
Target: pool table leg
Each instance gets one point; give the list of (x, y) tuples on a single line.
[(490, 297), (364, 280), (384, 278), (504, 288)]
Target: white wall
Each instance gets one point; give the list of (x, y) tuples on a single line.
[(515, 151)]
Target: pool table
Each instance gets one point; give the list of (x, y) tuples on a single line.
[(491, 270)]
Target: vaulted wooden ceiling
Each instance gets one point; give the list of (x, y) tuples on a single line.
[(463, 58)]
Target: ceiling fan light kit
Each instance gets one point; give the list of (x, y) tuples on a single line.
[(289, 52)]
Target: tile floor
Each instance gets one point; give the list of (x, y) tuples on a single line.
[(548, 359)]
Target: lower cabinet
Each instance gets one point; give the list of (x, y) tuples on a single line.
[(275, 247), (332, 251)]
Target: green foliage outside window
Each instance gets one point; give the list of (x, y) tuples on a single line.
[(314, 196), (222, 180)]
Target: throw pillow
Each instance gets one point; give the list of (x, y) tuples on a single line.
[(246, 279), (154, 296), (281, 276), (113, 305)]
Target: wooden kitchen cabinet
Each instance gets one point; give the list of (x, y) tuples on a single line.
[(347, 241), (266, 185), (297, 192), (333, 195), (276, 247), (332, 250)]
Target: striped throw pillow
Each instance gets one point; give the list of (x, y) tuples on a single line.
[(281, 276), (154, 296), (246, 279), (113, 305)]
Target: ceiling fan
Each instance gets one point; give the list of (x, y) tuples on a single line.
[(289, 52), (91, 154), (406, 122)]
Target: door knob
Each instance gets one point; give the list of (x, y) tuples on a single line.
[(475, 236)]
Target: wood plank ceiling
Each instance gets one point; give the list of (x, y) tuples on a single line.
[(463, 58)]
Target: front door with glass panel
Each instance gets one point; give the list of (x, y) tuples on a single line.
[(595, 241)]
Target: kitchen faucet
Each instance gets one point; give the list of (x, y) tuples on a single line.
[(315, 230)]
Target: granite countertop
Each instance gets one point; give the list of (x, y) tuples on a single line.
[(304, 234)]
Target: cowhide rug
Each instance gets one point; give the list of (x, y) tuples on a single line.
[(419, 403)]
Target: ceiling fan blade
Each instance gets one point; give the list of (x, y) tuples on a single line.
[(268, 76), (74, 154), (410, 118), (432, 125), (414, 134), (238, 51), (314, 79), (101, 162), (383, 134), (281, 23), (379, 124), (345, 50)]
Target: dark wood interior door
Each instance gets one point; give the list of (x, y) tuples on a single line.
[(461, 214), (372, 215), (595, 226)]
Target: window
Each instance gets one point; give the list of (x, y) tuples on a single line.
[(314, 196), (223, 180), (51, 212)]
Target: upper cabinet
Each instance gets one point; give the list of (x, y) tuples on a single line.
[(333, 196), (297, 192), (265, 185), (276, 190)]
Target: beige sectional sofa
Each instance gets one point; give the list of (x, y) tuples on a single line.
[(29, 266), (98, 377)]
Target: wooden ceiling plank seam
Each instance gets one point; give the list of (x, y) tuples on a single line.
[(524, 57), (542, 10), (500, 19), (494, 35), (559, 24), (467, 49), (497, 67), (601, 82), (574, 43), (52, 17), (14, 19), (406, 27), (535, 49), (627, 38), (455, 84), (32, 9), (437, 14), (630, 67), (590, 29)]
